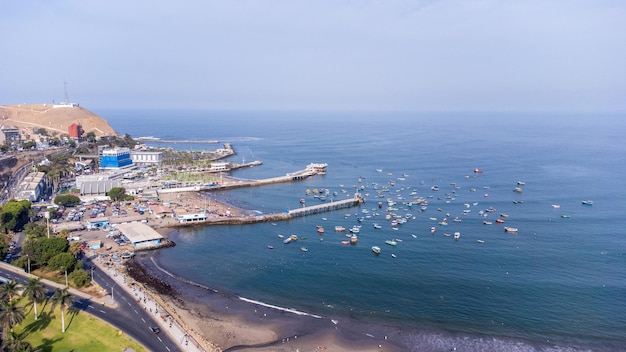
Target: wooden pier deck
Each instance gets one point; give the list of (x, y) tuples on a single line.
[(321, 208)]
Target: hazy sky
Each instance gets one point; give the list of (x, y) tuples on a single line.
[(565, 55)]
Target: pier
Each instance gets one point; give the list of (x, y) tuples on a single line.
[(321, 208)]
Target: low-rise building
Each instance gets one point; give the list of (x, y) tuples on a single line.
[(140, 235)]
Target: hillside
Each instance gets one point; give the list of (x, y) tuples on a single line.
[(29, 116)]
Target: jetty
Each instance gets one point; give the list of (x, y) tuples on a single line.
[(321, 208)]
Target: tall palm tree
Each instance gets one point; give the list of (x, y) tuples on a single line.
[(11, 314), (64, 300), (35, 292), (10, 290)]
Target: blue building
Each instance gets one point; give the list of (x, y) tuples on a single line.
[(115, 158)]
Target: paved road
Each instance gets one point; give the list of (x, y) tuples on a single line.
[(123, 312)]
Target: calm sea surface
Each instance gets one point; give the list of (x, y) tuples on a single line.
[(558, 284)]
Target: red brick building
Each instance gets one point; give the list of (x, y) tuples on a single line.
[(76, 131)]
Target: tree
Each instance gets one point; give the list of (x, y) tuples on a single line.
[(80, 277), (117, 193), (90, 137), (62, 261), (15, 214), (15, 343), (64, 300), (67, 200), (35, 292), (10, 290), (52, 246), (35, 230), (11, 314)]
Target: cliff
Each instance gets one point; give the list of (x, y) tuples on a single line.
[(29, 116)]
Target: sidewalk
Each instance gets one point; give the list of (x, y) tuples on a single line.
[(165, 320)]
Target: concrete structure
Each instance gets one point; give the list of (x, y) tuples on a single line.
[(75, 131), (10, 133), (146, 158), (97, 223), (97, 244), (220, 166), (32, 188), (70, 226), (191, 217), (115, 158), (140, 234)]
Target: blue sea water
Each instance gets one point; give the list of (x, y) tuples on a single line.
[(558, 284)]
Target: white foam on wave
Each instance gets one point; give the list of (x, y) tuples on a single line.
[(290, 310)]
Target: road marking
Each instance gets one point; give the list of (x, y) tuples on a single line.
[(90, 306), (167, 348), (143, 320), (130, 305), (159, 339), (136, 312), (102, 311)]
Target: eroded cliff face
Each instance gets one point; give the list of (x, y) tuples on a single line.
[(54, 119)]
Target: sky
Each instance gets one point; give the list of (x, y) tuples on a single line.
[(420, 55)]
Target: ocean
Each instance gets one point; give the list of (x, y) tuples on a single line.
[(558, 284)]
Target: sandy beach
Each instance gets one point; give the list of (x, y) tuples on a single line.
[(224, 322)]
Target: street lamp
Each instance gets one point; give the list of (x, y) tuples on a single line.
[(66, 283), (27, 257), (92, 273)]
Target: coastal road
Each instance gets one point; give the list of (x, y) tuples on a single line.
[(129, 316)]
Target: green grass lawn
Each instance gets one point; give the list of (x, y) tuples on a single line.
[(83, 332)]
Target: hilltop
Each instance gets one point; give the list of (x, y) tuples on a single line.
[(29, 116)]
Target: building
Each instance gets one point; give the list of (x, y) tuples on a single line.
[(10, 133), (96, 223), (75, 131), (191, 217), (32, 187), (220, 166), (140, 235), (146, 158), (115, 158)]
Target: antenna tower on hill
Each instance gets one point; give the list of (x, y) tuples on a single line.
[(67, 98)]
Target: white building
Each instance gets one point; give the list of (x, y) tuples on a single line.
[(146, 158)]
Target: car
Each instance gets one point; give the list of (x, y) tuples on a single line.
[(155, 329)]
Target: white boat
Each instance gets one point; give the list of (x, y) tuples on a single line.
[(393, 255), (376, 249), (487, 222), (355, 229), (391, 242), (587, 202), (378, 227), (556, 206), (480, 241), (510, 229), (433, 229), (340, 229), (287, 240), (354, 239), (414, 236), (304, 249), (270, 247)]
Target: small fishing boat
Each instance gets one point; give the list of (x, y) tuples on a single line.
[(480, 241), (354, 239), (378, 227), (565, 216), (487, 222), (376, 249), (556, 206), (517, 190), (304, 249), (457, 235), (287, 240), (393, 255), (414, 236), (478, 171), (340, 229), (433, 229), (500, 221), (294, 237), (320, 229), (345, 243), (391, 242), (520, 183), (270, 247), (504, 215), (587, 202), (510, 229)]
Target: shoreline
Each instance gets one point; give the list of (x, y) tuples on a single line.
[(227, 322)]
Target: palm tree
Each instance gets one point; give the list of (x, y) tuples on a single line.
[(11, 314), (34, 291), (10, 290), (15, 342), (64, 300)]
